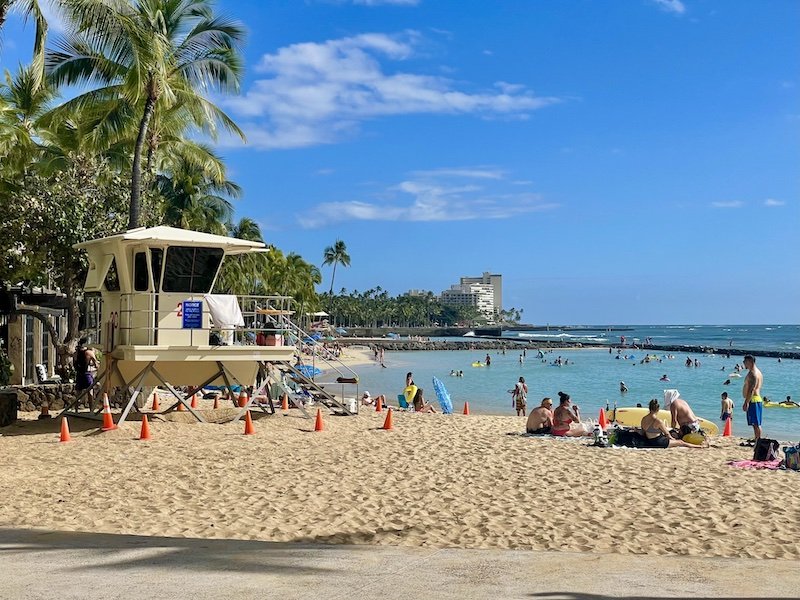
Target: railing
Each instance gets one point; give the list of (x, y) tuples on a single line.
[(146, 318)]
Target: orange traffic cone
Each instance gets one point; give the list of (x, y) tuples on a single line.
[(180, 407), (602, 420), (466, 408), (379, 404), (108, 419), (45, 414), (248, 424), (387, 424), (285, 402), (216, 401), (145, 432), (242, 398), (318, 424), (64, 431), (156, 407), (194, 401), (727, 432)]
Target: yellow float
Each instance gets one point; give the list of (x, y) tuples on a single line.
[(632, 417)]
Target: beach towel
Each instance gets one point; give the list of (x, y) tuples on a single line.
[(772, 465), (225, 313)]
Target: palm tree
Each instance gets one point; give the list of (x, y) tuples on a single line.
[(29, 9), (336, 255), (150, 56)]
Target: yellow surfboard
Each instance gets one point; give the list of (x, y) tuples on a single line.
[(632, 417)]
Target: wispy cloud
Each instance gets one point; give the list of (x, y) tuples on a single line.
[(728, 204), (773, 202), (466, 172), (426, 197), (324, 172), (318, 93), (673, 6)]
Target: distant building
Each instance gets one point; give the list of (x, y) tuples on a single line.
[(479, 295), (493, 279), (418, 293)]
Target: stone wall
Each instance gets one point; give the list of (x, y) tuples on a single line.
[(32, 397)]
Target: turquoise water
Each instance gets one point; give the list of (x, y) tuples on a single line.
[(592, 380), (746, 337)]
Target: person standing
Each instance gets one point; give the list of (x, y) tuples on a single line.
[(85, 363), (751, 391), (520, 396), (726, 411)]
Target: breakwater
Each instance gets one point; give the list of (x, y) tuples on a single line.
[(510, 344)]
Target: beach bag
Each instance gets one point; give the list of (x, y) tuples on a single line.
[(765, 449), (792, 457), (628, 438)]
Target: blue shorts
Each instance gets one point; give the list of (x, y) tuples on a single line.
[(754, 413)]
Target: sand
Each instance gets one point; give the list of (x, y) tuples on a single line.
[(434, 481)]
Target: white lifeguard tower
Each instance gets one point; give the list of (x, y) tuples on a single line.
[(152, 314)]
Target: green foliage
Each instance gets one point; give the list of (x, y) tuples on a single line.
[(336, 255), (6, 368), (375, 308)]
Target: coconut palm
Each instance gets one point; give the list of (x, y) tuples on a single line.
[(30, 9), (150, 56), (336, 255)]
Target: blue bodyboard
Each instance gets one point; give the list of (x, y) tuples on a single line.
[(443, 396)]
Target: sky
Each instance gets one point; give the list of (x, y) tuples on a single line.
[(626, 162)]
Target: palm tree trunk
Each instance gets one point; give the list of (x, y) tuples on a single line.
[(136, 174), (333, 278)]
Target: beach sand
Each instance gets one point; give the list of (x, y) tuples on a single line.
[(434, 481)]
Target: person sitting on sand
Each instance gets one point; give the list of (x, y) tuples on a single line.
[(656, 434), (368, 400), (683, 419), (420, 405), (564, 415), (540, 421)]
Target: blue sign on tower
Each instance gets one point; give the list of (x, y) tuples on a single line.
[(193, 314)]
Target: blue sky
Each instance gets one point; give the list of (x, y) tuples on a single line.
[(633, 161)]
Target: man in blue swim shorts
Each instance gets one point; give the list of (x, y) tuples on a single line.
[(751, 390)]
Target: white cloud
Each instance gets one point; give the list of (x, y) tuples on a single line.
[(324, 172), (674, 6), (467, 172), (318, 93), (772, 202), (425, 199), (728, 204)]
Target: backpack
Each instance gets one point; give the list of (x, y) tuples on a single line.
[(628, 438), (792, 457), (765, 449)]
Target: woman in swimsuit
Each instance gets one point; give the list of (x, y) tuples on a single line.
[(565, 414), (420, 405), (657, 435)]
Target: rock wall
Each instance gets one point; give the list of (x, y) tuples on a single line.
[(32, 397)]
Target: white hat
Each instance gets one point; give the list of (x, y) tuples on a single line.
[(670, 396), (366, 394)]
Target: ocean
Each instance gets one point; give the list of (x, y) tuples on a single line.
[(592, 376)]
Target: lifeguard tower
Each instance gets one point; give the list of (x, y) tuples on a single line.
[(151, 313)]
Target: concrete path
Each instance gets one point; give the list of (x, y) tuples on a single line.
[(45, 564)]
